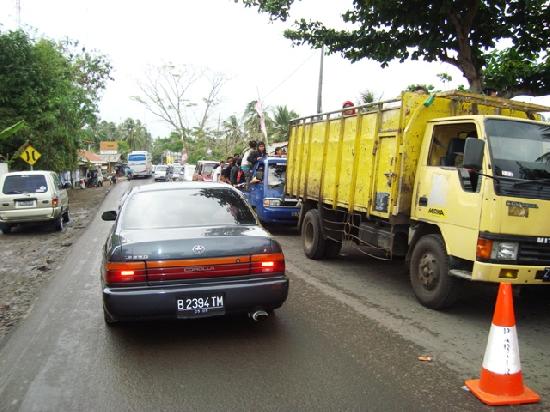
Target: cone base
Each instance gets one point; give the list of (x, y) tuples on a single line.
[(528, 396)]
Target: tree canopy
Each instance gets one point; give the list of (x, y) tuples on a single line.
[(463, 33), (55, 90)]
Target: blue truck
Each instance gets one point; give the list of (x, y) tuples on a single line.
[(266, 193)]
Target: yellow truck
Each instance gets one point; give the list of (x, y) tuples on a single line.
[(456, 183)]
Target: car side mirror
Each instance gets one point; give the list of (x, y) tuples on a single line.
[(109, 215), (473, 153)]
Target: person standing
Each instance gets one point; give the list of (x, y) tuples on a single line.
[(234, 177), (217, 172), (245, 164)]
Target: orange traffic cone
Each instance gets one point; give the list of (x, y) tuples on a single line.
[(501, 381)]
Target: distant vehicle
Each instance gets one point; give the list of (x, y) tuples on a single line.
[(163, 172), (33, 197), (177, 173), (188, 171), (199, 252), (140, 162), (203, 170), (266, 193)]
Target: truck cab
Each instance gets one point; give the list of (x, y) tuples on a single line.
[(266, 193)]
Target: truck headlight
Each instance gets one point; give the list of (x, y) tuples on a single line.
[(505, 250), (272, 202)]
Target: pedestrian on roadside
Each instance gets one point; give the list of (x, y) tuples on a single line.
[(234, 177), (226, 171), (217, 172)]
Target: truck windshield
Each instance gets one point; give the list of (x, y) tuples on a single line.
[(277, 175), (519, 150)]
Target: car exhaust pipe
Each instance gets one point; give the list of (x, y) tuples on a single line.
[(258, 315)]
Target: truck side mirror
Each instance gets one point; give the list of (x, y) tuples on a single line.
[(473, 153)]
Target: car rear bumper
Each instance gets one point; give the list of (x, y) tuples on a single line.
[(157, 302), (29, 215)]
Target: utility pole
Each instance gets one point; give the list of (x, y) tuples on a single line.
[(320, 88), (18, 13)]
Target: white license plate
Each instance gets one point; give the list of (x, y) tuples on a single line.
[(25, 203), (200, 306)]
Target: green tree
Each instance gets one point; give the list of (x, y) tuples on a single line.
[(458, 32), (252, 122), (280, 124), (135, 134), (48, 90), (512, 73)]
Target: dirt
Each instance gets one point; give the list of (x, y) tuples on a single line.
[(31, 255)]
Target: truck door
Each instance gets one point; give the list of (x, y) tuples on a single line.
[(443, 195)]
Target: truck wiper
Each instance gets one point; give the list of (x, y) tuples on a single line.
[(526, 182)]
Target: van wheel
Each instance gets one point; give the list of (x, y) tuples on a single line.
[(429, 274), (58, 224), (66, 217), (6, 229), (314, 244), (332, 248)]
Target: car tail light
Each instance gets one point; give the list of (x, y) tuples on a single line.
[(125, 272), (484, 248), (268, 263), (55, 201)]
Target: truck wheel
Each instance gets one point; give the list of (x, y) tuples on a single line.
[(314, 244), (66, 217), (429, 273), (332, 248)]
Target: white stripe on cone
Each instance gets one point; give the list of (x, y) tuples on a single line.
[(502, 352)]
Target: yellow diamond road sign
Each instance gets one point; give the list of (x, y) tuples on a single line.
[(30, 155)]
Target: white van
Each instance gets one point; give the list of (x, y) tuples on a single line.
[(33, 197)]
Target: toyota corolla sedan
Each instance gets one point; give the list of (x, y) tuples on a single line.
[(189, 250)]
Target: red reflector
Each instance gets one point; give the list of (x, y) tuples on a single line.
[(267, 264), (124, 272), (55, 202)]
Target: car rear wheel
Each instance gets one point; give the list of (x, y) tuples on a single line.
[(312, 238), (59, 224), (66, 217)]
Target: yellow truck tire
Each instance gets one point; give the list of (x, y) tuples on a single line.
[(429, 273), (312, 235)]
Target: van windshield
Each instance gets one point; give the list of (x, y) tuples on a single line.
[(25, 184)]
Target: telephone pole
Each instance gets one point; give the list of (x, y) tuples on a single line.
[(320, 88), (18, 13)]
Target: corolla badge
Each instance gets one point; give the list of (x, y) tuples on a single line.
[(198, 249)]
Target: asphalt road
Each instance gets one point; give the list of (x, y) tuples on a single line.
[(347, 339)]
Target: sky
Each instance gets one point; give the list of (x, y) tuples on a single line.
[(222, 36)]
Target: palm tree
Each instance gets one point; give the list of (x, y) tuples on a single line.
[(234, 133), (252, 122), (280, 124)]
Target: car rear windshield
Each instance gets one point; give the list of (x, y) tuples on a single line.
[(25, 184), (184, 208)]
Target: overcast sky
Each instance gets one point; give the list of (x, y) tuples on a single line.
[(223, 36)]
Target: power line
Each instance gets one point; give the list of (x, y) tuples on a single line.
[(292, 73)]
